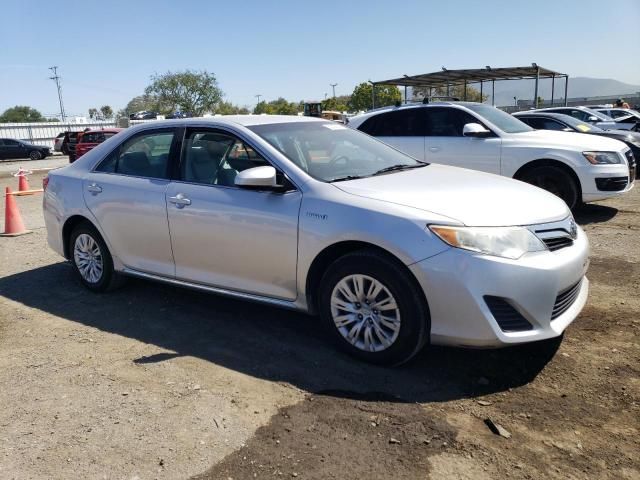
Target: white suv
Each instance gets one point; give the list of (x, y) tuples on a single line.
[(578, 168)]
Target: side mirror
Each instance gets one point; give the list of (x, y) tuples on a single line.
[(475, 130), (257, 177), (591, 118)]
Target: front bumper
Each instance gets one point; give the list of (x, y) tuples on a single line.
[(593, 178), (456, 283)]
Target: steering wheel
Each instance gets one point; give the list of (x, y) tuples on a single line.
[(335, 160)]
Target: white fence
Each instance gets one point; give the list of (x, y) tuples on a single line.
[(44, 133)]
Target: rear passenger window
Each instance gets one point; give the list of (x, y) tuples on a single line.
[(447, 122), (400, 123), (145, 155)]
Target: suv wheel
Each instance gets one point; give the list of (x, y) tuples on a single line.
[(35, 155), (554, 180), (373, 308), (91, 259)]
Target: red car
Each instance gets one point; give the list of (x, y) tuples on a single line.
[(91, 138)]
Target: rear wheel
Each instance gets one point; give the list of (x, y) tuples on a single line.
[(554, 180), (91, 259), (373, 309), (35, 155)]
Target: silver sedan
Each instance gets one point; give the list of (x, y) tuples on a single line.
[(392, 253)]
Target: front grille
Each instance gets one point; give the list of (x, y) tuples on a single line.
[(612, 184), (565, 299), (556, 243), (632, 166), (508, 318)]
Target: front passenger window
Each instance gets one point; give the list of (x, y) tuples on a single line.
[(213, 158), (145, 155)]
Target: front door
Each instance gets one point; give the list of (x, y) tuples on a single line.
[(226, 236), (445, 143), (126, 194)]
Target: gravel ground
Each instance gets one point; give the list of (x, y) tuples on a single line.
[(156, 382)]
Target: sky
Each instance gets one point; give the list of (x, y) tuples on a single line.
[(107, 51)]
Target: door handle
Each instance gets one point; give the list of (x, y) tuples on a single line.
[(180, 200), (434, 149), (94, 188)]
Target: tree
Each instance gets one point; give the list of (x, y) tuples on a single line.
[(143, 102), (340, 103), (107, 112), (191, 91), (277, 107), (93, 113), (457, 91), (385, 95), (228, 108), (21, 114)]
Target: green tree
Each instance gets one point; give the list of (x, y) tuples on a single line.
[(142, 102), (21, 114), (457, 91), (93, 113), (191, 91), (228, 108), (340, 103), (107, 112), (385, 95), (277, 107)]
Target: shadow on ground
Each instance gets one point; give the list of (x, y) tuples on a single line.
[(594, 213), (269, 343)]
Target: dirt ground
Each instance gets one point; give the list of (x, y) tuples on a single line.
[(152, 382)]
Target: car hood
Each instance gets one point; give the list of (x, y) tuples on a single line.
[(567, 141), (470, 197)]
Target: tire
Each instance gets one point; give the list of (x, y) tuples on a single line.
[(35, 155), (91, 244), (555, 180), (410, 319)]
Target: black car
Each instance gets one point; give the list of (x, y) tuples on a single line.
[(11, 148), (558, 121), (143, 115)]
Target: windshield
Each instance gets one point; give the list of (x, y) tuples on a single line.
[(331, 152), (580, 126), (500, 119)]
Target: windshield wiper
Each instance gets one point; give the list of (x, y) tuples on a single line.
[(345, 178), (394, 168)]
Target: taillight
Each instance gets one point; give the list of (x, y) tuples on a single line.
[(45, 182)]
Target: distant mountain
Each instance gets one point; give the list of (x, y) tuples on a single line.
[(578, 87)]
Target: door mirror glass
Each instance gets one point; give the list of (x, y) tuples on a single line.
[(475, 130), (257, 177)]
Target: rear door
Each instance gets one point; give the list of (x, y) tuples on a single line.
[(13, 149), (445, 143), (403, 129), (126, 194)]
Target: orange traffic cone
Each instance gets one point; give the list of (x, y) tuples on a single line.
[(13, 224), (23, 183)]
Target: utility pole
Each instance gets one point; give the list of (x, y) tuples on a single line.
[(56, 78), (333, 85), (258, 97)]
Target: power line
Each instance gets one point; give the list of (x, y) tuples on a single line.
[(56, 78)]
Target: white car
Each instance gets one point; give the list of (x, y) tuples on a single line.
[(618, 112), (578, 168), (307, 214), (591, 116)]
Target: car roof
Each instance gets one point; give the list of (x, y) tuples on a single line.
[(405, 106), (231, 120)]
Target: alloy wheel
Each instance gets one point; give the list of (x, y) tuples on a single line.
[(88, 258)]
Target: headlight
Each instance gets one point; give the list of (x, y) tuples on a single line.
[(508, 242), (602, 158)]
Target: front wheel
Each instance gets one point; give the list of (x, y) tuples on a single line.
[(373, 308), (91, 259), (554, 180), (35, 155)]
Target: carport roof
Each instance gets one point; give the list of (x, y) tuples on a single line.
[(459, 77)]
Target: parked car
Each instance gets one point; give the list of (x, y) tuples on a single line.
[(68, 146), (91, 138), (143, 115), (616, 112), (178, 114), (57, 142), (591, 116), (577, 168), (12, 148), (560, 122), (302, 213)]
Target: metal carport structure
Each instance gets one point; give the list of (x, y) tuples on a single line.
[(448, 78)]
